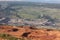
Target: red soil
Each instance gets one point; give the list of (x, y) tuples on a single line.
[(31, 33)]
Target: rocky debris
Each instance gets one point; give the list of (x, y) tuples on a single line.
[(25, 34), (14, 29), (19, 21), (4, 20)]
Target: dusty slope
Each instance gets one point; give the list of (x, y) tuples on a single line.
[(31, 33)]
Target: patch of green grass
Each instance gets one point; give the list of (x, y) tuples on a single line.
[(33, 13), (9, 37)]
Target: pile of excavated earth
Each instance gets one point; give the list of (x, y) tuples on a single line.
[(30, 32)]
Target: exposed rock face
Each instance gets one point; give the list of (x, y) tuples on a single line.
[(33, 34)]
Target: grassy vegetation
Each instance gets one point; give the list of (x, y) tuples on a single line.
[(34, 12), (9, 37), (31, 12)]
